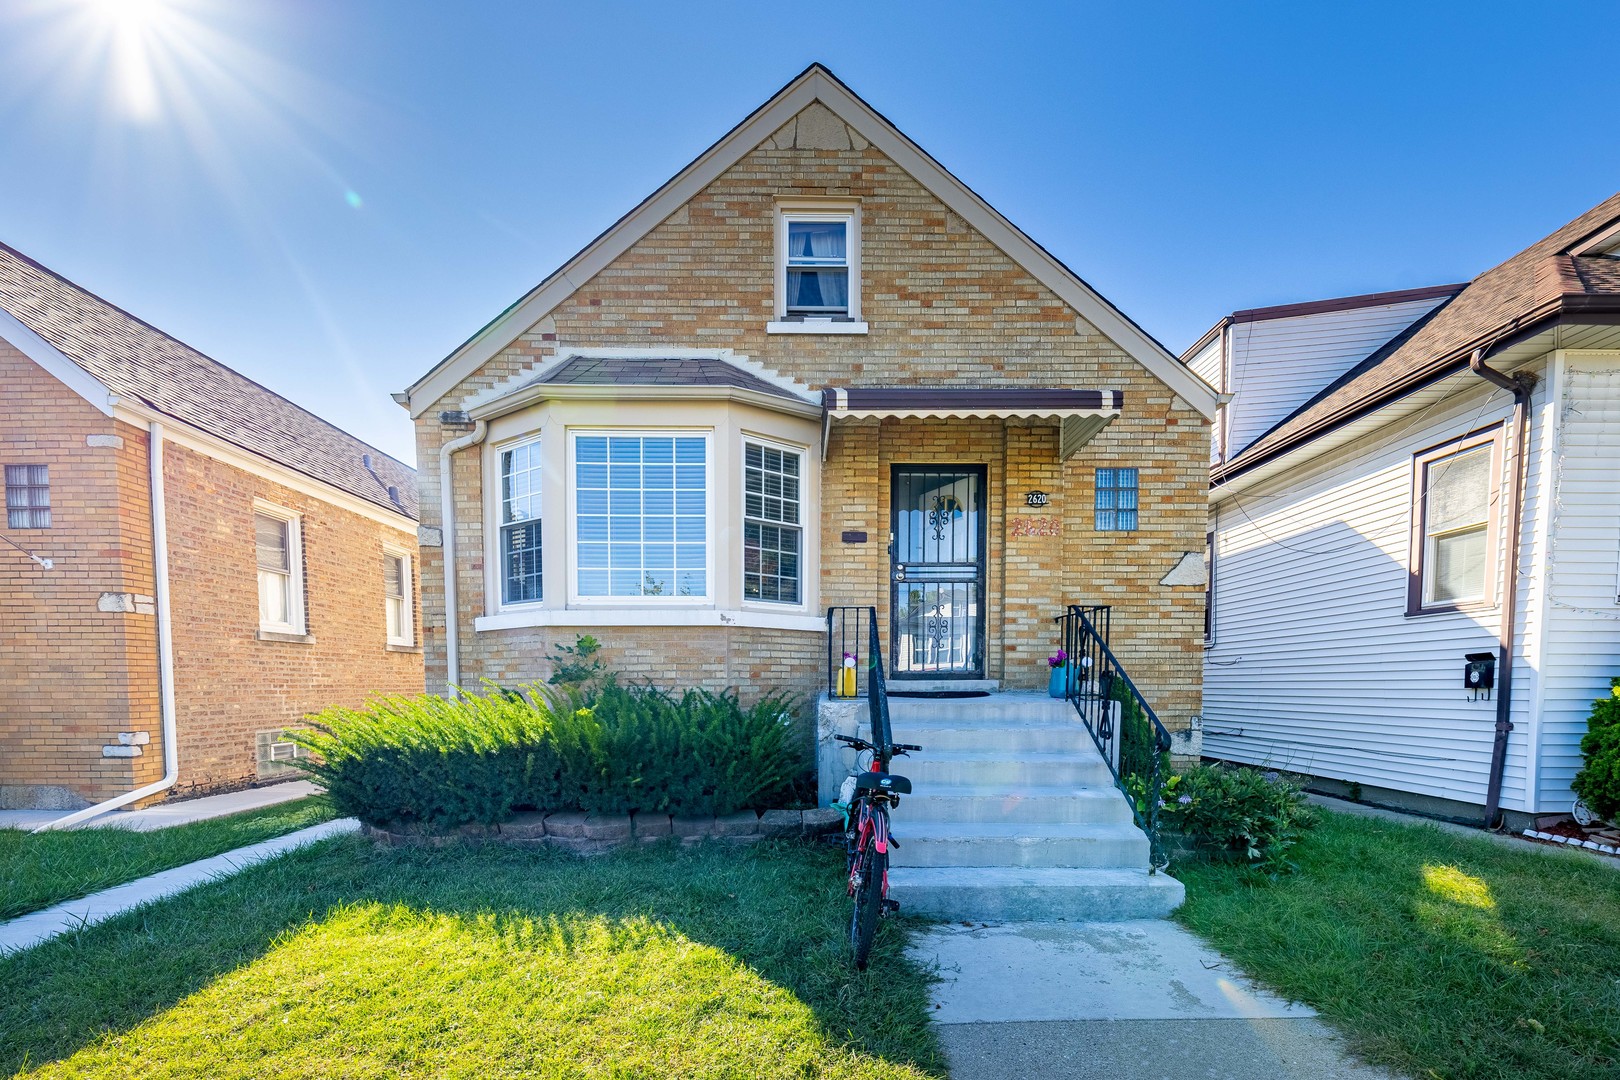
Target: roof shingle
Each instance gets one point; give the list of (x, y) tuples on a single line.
[(138, 361), (1517, 293)]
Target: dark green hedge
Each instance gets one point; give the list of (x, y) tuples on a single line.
[(617, 749), (1598, 782)]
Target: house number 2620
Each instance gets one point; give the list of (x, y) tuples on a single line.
[(1036, 498)]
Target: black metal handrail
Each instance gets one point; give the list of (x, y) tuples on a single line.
[(844, 634), (1123, 725)]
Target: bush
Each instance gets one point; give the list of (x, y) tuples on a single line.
[(1598, 782), (1239, 814), (617, 749)]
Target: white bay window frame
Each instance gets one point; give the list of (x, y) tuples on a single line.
[(803, 526), (289, 579), (578, 599), (531, 442)]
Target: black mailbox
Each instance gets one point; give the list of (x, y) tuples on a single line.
[(1479, 672)]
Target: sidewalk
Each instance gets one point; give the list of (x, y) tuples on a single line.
[(29, 930), (1044, 1001), (166, 814)]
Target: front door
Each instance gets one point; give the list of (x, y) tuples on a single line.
[(937, 530)]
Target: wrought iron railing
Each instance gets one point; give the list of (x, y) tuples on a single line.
[(852, 634), (1127, 732)]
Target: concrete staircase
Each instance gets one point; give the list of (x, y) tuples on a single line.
[(1014, 816)]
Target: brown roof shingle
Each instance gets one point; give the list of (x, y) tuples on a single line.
[(683, 371), (136, 360), (1535, 283)]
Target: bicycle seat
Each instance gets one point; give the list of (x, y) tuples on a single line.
[(879, 781)]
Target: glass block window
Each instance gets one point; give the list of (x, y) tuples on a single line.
[(28, 497), (641, 515), (772, 532), (520, 523), (1116, 500)]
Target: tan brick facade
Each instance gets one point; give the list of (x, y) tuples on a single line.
[(73, 676), (946, 308)]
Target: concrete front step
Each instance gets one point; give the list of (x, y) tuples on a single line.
[(1008, 738), (962, 845), (985, 768), (1008, 894), (1032, 805), (1017, 707)]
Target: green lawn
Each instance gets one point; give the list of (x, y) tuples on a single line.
[(1438, 955), (347, 960), (38, 870)]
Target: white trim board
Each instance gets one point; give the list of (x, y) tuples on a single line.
[(640, 616), (56, 364), (816, 83), (192, 438)]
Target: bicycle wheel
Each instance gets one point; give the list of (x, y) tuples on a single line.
[(863, 918)]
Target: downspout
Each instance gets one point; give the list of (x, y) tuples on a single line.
[(165, 636), (1510, 597), (447, 526)]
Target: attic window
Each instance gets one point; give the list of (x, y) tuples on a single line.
[(818, 273)]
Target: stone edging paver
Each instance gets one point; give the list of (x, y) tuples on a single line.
[(588, 833), (26, 931)]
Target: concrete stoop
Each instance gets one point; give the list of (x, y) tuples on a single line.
[(1015, 817)]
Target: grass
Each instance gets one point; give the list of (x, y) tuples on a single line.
[(38, 870), (1438, 955), (346, 960)]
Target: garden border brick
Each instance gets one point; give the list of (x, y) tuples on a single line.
[(586, 834)]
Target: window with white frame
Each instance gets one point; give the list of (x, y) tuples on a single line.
[(520, 523), (1454, 510), (641, 515), (773, 529), (818, 271), (28, 497), (281, 572), (397, 596)]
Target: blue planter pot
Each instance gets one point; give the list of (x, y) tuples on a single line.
[(1059, 681)]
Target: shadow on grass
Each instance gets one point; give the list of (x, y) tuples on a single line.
[(347, 958), (1439, 955)]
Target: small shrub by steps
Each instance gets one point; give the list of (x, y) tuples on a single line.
[(615, 749), (1237, 814)]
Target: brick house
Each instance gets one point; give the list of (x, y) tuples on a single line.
[(812, 369), (276, 579)]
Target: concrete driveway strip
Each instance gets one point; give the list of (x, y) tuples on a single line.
[(1143, 999), (29, 930)]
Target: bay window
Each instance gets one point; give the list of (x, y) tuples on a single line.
[(641, 515), (521, 579), (772, 526)]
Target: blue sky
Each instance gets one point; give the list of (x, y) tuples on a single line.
[(329, 195)]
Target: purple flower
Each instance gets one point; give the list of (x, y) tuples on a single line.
[(1273, 776), (1185, 800), (1058, 659)]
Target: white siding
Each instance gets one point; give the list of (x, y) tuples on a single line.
[(1316, 666), (1206, 364), (1582, 649), (1276, 365)]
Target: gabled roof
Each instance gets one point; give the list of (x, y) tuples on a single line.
[(1539, 284), (815, 83), (138, 362)]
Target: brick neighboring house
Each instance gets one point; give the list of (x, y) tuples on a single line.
[(700, 433), (290, 549)]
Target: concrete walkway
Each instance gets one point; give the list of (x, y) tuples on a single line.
[(29, 930), (1147, 999), (176, 812)]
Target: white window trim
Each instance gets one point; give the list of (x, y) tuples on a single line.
[(709, 531), (297, 624), (818, 210), (803, 526), (1420, 597), (495, 577), (408, 618)]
